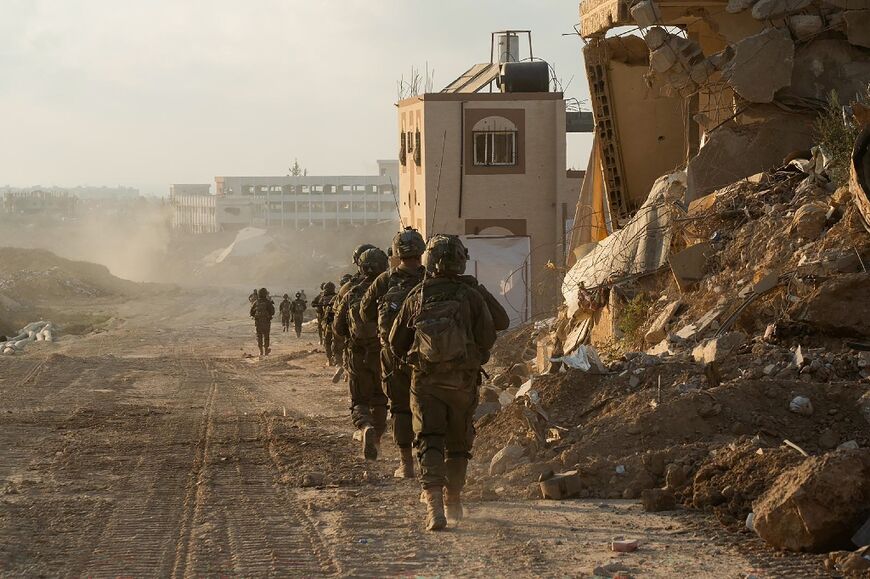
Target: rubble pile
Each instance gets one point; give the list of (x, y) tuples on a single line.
[(36, 332), (744, 389)]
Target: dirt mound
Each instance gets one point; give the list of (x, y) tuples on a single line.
[(37, 275)]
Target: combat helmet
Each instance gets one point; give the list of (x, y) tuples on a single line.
[(373, 262), (298, 294), (445, 254), (329, 288), (408, 243), (263, 293), (357, 253), (345, 278), (286, 297)]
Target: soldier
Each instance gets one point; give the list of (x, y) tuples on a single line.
[(381, 303), (347, 281), (284, 308), (444, 331), (263, 310), (318, 309), (326, 303), (368, 401), (297, 311), (253, 297)]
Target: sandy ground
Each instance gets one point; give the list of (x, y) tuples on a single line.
[(156, 449)]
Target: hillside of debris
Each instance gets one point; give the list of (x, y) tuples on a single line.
[(714, 381)]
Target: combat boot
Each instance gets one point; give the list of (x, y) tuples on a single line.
[(370, 443), (453, 506), (406, 469), (261, 351), (268, 351), (435, 519)]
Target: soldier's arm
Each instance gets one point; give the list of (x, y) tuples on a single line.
[(339, 324), (402, 332), (500, 319), (253, 309), (369, 305)]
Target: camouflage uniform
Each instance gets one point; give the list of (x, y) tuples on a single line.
[(297, 314), (263, 310), (327, 301), (284, 308), (317, 304), (368, 401), (443, 397)]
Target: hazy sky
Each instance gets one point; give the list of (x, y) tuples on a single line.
[(151, 92)]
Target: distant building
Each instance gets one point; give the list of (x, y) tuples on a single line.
[(46, 203), (491, 166), (291, 202)]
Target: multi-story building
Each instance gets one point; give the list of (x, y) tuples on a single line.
[(36, 202), (491, 167), (296, 202)]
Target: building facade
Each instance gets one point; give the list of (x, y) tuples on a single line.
[(492, 167), (296, 202)]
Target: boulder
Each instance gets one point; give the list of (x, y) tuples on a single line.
[(818, 505), (809, 221), (840, 306)]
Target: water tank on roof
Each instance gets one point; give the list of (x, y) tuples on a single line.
[(533, 76), (508, 47)]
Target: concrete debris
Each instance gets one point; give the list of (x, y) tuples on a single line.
[(858, 27), (849, 445), (561, 486), (699, 327), (716, 349), (809, 221), (506, 459), (762, 63), (623, 546), (585, 359), (864, 406), (848, 564), (688, 266), (770, 9), (840, 306), (646, 13), (35, 332), (861, 538), (678, 61), (859, 173), (801, 405), (805, 26), (737, 6), (818, 505)]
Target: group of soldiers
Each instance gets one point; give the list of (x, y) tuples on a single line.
[(263, 310), (413, 339)]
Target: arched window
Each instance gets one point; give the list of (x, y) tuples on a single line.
[(495, 142)]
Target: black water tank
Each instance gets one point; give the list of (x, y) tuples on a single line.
[(531, 76)]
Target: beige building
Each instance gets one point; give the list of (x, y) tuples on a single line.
[(492, 167)]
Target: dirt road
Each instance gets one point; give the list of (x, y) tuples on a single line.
[(156, 449)]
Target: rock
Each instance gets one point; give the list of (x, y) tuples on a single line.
[(840, 306), (809, 221), (506, 459), (521, 370), (801, 405), (646, 13), (849, 445), (717, 349), (500, 380), (805, 26), (858, 27), (735, 6), (658, 331), (817, 505), (313, 479), (689, 266), (656, 500), (848, 564), (675, 477)]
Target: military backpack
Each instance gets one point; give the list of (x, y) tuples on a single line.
[(442, 336), (359, 330), (390, 303)]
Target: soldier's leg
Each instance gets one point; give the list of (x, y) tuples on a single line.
[(320, 330), (266, 331), (378, 401), (397, 382), (298, 328), (259, 339), (327, 346), (430, 431), (360, 388)]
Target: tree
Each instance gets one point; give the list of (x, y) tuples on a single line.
[(298, 170)]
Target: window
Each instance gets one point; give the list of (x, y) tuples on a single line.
[(495, 148), (418, 150), (403, 150)]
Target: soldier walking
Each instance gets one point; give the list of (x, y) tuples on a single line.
[(317, 304), (444, 331), (381, 303), (297, 312), (263, 310), (284, 308), (368, 401), (326, 303)]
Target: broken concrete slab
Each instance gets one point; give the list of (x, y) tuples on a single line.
[(718, 348), (766, 282), (817, 505), (658, 331), (805, 26), (505, 459), (737, 6), (769, 9), (858, 27), (696, 329), (689, 265), (840, 306), (646, 13), (809, 221), (762, 63)]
